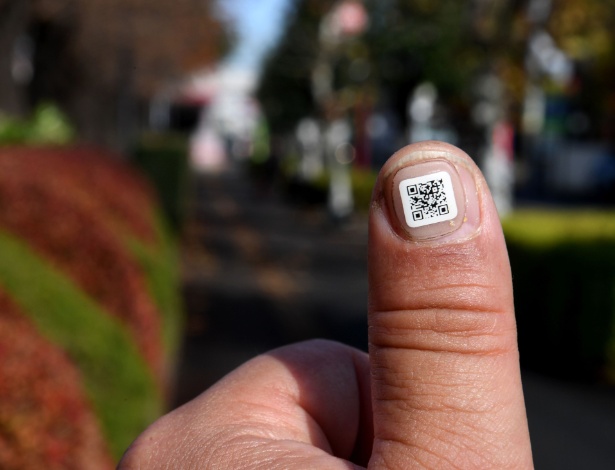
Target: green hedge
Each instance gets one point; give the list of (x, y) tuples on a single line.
[(362, 180), (47, 125), (563, 265), (163, 158), (160, 265)]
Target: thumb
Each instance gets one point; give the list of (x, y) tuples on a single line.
[(445, 367)]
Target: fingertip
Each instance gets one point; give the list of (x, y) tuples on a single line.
[(431, 192)]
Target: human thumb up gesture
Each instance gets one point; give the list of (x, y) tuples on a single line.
[(440, 387)]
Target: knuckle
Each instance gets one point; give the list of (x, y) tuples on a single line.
[(456, 331)]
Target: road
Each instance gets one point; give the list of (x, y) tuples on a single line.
[(260, 273)]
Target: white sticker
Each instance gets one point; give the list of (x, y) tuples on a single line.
[(428, 199)]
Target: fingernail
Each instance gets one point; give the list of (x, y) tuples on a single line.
[(433, 195)]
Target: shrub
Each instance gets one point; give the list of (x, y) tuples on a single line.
[(163, 158), (563, 265), (43, 201), (362, 181), (47, 125), (85, 256), (45, 416)]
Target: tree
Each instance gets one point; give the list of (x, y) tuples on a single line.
[(285, 91), (97, 57), (13, 16), (408, 41), (583, 29), (450, 44)]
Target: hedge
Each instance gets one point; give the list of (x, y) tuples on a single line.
[(46, 420), (164, 159), (563, 265), (84, 255)]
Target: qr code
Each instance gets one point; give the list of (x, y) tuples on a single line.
[(428, 199)]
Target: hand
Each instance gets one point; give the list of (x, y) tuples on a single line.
[(441, 386)]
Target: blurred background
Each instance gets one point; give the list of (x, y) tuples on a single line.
[(184, 185)]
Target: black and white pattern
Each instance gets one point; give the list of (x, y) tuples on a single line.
[(428, 199)]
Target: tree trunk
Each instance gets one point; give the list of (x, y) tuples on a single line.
[(14, 16)]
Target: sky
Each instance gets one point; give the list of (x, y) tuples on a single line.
[(258, 24)]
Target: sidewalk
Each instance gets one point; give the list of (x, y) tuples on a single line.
[(259, 273)]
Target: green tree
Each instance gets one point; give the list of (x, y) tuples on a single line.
[(583, 29), (408, 41), (285, 91), (448, 43)]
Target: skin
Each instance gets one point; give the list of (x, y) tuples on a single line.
[(440, 388)]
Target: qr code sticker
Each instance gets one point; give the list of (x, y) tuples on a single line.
[(428, 199)]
